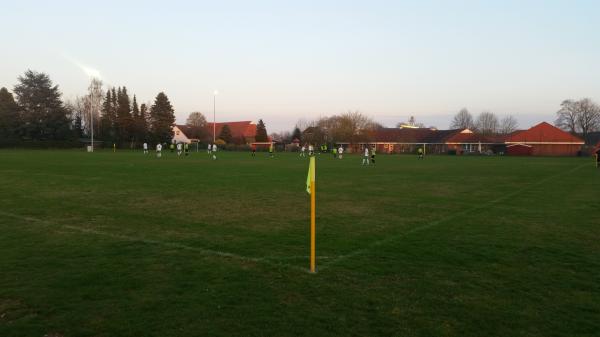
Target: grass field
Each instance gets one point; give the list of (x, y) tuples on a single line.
[(124, 244)]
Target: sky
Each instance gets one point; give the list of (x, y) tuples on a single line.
[(283, 61)]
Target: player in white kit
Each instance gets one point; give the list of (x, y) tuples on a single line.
[(340, 152), (179, 149), (158, 150), (366, 157), (214, 151), (145, 148)]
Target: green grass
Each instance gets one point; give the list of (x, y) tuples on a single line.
[(124, 244)]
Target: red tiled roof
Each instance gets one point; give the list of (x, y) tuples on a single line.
[(238, 129), (543, 133)]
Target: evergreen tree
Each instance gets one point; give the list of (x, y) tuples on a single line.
[(44, 114), (163, 119), (297, 134), (9, 116), (144, 122), (261, 132), (124, 120), (225, 134), (107, 120), (135, 116)]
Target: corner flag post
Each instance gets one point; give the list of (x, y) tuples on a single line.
[(311, 188)]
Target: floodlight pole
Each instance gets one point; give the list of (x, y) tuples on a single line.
[(93, 106)]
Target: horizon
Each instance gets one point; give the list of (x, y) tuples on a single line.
[(285, 62)]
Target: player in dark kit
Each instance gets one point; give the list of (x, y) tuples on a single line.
[(598, 158)]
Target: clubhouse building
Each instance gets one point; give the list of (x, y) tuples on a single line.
[(540, 140)]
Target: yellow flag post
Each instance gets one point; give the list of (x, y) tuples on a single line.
[(311, 189)]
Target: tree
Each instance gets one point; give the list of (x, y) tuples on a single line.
[(138, 122), (261, 132), (566, 117), (163, 119), (144, 121), (77, 109), (108, 117), (196, 121), (588, 117), (44, 116), (225, 134), (582, 116), (78, 125), (462, 120), (297, 134), (487, 123), (508, 125), (124, 119), (9, 115), (93, 106)]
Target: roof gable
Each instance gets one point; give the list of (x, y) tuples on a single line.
[(544, 133)]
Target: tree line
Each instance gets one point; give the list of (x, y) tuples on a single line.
[(486, 123), (35, 111), (580, 117)]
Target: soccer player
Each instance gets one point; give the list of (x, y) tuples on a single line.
[(158, 150), (373, 156), (598, 158), (420, 152), (209, 149), (172, 147), (365, 160), (178, 149), (334, 152), (253, 150), (311, 150), (214, 152), (145, 148), (186, 149), (340, 152), (303, 151), (271, 150)]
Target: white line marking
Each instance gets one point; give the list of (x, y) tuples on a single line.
[(203, 251), (443, 220)]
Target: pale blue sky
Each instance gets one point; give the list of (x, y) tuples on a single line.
[(284, 60)]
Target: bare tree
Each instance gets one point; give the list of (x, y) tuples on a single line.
[(351, 126), (588, 116), (196, 119), (508, 124), (93, 104), (486, 123), (462, 120), (197, 123), (566, 117)]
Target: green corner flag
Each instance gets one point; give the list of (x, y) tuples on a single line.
[(311, 174)]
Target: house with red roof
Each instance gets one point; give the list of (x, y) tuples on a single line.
[(407, 140), (242, 132), (543, 140)]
